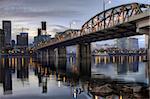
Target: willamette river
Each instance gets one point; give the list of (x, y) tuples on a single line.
[(99, 77)]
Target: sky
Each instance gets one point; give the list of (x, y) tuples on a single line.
[(58, 14)]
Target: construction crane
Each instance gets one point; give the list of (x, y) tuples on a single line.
[(22, 29)]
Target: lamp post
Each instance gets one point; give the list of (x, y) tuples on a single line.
[(73, 22), (104, 8)]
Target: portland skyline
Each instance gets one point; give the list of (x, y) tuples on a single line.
[(59, 17)]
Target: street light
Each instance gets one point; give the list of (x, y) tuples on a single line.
[(104, 4), (73, 22)]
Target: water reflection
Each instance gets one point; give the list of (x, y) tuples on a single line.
[(99, 77), (6, 76), (124, 68)]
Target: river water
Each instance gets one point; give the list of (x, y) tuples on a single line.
[(98, 77)]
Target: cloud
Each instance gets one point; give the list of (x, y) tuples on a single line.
[(53, 29), (13, 12), (29, 13)]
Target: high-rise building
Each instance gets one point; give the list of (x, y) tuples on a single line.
[(39, 31), (43, 25), (146, 41), (22, 40), (122, 43), (41, 38), (2, 39), (43, 28), (12, 43), (132, 43), (7, 32), (41, 35), (127, 43)]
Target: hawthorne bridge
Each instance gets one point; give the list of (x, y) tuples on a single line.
[(117, 22)]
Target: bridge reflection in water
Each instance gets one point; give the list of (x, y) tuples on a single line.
[(99, 77)]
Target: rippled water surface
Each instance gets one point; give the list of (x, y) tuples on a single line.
[(99, 77)]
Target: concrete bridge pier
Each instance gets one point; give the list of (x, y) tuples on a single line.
[(39, 55), (60, 64), (44, 55), (148, 56), (47, 54), (50, 56), (83, 50), (85, 67), (51, 53), (149, 47), (60, 52), (83, 56)]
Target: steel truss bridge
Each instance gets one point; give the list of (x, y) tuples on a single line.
[(116, 22)]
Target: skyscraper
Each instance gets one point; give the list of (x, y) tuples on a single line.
[(146, 41), (22, 40), (43, 25), (132, 43), (2, 39), (7, 32), (12, 43), (44, 32), (127, 43), (122, 43), (39, 31)]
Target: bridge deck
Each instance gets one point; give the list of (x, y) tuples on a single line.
[(120, 21)]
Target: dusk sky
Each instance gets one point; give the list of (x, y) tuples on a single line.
[(58, 13)]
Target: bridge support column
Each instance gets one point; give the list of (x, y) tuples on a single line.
[(37, 55), (47, 55), (83, 55), (83, 50), (44, 58), (51, 54), (60, 52), (148, 49), (84, 66), (148, 57), (40, 54)]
